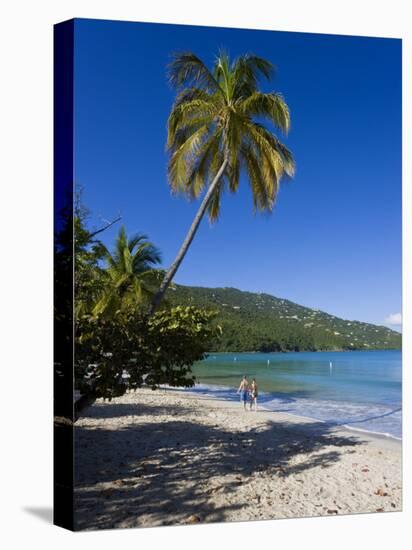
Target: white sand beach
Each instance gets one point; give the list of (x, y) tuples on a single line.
[(169, 457)]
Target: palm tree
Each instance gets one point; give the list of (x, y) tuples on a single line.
[(216, 131), (129, 275)]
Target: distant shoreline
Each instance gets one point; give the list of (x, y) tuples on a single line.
[(308, 351)]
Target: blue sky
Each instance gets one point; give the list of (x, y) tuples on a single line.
[(333, 241)]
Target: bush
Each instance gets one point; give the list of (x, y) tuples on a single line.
[(132, 350)]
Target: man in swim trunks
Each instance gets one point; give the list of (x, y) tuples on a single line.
[(244, 391)]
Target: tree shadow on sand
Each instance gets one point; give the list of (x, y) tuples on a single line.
[(164, 472), (111, 409)]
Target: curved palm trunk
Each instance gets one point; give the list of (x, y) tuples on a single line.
[(189, 238)]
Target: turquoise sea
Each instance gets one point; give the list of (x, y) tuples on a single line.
[(361, 390)]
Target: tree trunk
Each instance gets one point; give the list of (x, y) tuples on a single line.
[(189, 238)]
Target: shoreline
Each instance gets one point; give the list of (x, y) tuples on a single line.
[(372, 435), (210, 387), (170, 457), (343, 350)]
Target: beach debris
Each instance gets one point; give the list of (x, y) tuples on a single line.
[(333, 511), (393, 505), (380, 510), (381, 493), (365, 470), (193, 519)]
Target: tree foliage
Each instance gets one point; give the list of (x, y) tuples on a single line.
[(221, 114), (89, 282), (117, 345), (128, 276), (150, 351), (261, 322)]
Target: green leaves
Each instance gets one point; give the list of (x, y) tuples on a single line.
[(88, 277), (219, 115), (186, 69), (159, 350), (129, 276), (271, 106)]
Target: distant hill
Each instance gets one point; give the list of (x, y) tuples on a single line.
[(260, 322)]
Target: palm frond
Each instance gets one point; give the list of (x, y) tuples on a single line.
[(246, 72), (200, 170), (183, 157), (214, 205), (187, 69), (272, 148), (271, 106), (146, 256), (183, 130), (260, 192), (222, 74), (135, 240)]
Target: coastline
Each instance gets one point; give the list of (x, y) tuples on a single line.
[(173, 457), (361, 390), (282, 352), (207, 390), (370, 435)]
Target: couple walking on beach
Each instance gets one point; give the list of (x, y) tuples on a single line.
[(248, 392)]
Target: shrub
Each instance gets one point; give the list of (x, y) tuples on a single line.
[(131, 350)]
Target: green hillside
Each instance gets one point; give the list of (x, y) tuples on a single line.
[(260, 322)]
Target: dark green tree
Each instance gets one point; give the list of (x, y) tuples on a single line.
[(128, 277), (129, 349)]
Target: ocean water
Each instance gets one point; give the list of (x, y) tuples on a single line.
[(360, 390)]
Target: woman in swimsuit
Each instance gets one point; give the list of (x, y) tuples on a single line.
[(253, 394), (244, 391)]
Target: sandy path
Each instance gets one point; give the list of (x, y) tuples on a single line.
[(167, 457)]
